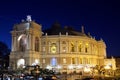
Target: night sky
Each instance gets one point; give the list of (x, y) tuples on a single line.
[(100, 17)]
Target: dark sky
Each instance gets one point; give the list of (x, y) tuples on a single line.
[(100, 17)]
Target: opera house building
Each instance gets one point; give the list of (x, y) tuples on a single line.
[(56, 48)]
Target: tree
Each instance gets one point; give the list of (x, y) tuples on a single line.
[(4, 50), (100, 69), (4, 55)]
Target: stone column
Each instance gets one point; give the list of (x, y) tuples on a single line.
[(13, 43), (29, 42), (33, 42), (27, 47)]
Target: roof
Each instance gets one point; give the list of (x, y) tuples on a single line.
[(56, 29), (26, 25)]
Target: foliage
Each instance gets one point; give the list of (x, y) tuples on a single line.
[(117, 72), (4, 50), (4, 55), (100, 69), (42, 71)]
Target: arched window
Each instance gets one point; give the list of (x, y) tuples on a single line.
[(53, 62), (22, 42), (72, 47), (36, 44)]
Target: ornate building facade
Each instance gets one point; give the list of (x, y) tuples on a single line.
[(57, 48)]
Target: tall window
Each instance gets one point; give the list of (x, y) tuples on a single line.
[(72, 47), (96, 51), (53, 62), (64, 61), (22, 42), (63, 42), (80, 47), (86, 47), (36, 44), (85, 61), (80, 60), (21, 46), (53, 48), (73, 60)]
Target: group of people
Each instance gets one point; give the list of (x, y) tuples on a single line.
[(16, 77)]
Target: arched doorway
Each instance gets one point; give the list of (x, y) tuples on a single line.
[(20, 63)]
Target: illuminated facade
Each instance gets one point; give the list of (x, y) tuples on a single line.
[(60, 49)]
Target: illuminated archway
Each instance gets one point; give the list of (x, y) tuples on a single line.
[(20, 63), (22, 42)]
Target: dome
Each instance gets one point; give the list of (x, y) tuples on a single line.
[(56, 29)]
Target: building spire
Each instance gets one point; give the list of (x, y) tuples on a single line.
[(82, 29)]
